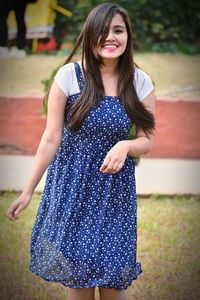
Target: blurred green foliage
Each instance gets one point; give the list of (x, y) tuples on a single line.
[(158, 25)]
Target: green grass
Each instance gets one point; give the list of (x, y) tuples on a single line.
[(168, 248)]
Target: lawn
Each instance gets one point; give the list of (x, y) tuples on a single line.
[(174, 75), (168, 248)]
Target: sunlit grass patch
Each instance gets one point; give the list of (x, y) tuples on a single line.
[(168, 248)]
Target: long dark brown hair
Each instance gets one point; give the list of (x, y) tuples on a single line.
[(95, 30)]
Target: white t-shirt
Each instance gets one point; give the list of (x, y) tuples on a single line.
[(67, 81)]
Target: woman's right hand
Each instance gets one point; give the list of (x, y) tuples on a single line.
[(17, 206)]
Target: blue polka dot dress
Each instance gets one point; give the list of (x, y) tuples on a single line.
[(85, 232)]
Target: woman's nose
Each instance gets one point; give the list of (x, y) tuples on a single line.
[(110, 36)]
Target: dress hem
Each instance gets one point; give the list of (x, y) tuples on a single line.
[(90, 285)]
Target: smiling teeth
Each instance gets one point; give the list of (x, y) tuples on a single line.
[(110, 46)]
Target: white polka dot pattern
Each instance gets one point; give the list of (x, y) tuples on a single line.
[(85, 232)]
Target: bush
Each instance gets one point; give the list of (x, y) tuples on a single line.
[(158, 25)]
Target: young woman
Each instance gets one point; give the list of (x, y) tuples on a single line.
[(85, 232)]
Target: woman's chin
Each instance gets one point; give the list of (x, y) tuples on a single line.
[(110, 56)]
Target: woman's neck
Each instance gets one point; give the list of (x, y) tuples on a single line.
[(109, 67)]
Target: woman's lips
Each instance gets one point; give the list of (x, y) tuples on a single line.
[(110, 46)]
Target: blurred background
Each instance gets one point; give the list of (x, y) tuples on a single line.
[(167, 47), (158, 26)]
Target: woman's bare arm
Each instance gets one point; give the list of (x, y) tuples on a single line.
[(142, 144), (51, 137), (46, 151)]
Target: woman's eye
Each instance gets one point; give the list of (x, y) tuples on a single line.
[(118, 31)]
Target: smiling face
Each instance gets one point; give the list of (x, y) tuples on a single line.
[(115, 43)]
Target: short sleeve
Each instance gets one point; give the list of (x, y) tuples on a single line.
[(64, 78), (143, 84)]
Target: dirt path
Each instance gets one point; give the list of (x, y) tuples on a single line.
[(174, 75)]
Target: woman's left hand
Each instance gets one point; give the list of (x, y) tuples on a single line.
[(115, 158)]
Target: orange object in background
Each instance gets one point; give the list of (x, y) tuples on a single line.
[(49, 46), (40, 22), (67, 46)]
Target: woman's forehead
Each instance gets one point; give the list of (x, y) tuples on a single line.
[(117, 21)]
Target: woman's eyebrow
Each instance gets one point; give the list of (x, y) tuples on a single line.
[(119, 26)]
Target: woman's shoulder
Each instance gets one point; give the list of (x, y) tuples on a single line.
[(66, 68), (66, 78), (143, 83), (69, 67), (140, 74)]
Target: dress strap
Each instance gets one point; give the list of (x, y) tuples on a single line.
[(79, 75)]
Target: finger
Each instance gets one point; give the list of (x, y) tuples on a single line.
[(13, 212), (12, 208), (18, 210), (121, 164), (105, 164), (12, 217), (116, 167), (9, 214), (109, 168)]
